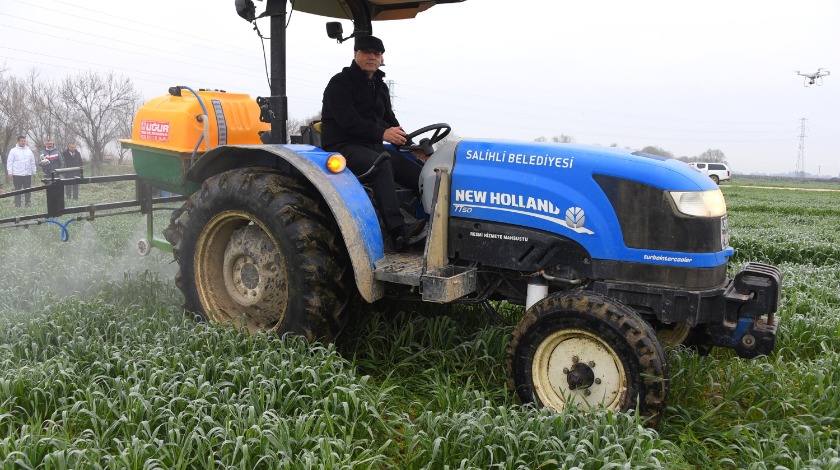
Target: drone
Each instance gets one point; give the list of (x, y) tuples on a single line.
[(814, 78)]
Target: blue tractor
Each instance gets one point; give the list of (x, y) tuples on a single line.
[(613, 253)]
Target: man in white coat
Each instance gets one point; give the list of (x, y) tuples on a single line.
[(20, 167)]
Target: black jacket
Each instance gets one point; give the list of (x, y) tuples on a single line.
[(355, 109), (71, 159)]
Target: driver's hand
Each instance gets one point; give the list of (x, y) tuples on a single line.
[(418, 154), (394, 135)]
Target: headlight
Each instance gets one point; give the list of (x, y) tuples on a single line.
[(700, 203)]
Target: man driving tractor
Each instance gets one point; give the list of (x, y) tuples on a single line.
[(356, 118)]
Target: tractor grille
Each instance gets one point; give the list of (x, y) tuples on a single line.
[(649, 220)]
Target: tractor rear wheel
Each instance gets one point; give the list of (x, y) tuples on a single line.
[(588, 350), (257, 251), (676, 334), (671, 334)]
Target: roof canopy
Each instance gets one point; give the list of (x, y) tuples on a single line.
[(374, 10)]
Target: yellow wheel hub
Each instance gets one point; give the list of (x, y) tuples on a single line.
[(576, 366)]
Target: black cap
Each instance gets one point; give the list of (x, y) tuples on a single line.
[(369, 42)]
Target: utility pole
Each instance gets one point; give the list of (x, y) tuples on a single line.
[(800, 162)]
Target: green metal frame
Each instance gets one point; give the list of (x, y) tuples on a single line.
[(150, 234)]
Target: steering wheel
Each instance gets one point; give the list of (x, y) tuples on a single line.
[(441, 130)]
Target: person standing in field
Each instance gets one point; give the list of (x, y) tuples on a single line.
[(20, 167), (50, 158), (72, 159)]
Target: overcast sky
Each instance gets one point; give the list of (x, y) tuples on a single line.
[(682, 75)]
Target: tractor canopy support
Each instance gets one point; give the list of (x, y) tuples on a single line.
[(279, 103), (361, 12)]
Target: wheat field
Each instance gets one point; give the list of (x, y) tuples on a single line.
[(100, 368)]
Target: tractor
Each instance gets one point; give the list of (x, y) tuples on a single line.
[(614, 254)]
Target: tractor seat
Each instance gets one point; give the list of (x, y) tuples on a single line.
[(310, 134)]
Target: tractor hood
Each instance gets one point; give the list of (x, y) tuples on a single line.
[(376, 10), (616, 204)]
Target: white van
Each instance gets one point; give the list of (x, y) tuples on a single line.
[(716, 171)]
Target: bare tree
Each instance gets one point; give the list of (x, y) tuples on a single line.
[(14, 112), (712, 156), (93, 106), (45, 109), (653, 150), (563, 138), (126, 122), (452, 137), (293, 125)]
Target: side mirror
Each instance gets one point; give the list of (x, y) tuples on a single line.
[(246, 10), (334, 30)]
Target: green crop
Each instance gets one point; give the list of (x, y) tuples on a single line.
[(100, 368)]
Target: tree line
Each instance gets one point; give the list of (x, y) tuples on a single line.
[(91, 109), (710, 155)]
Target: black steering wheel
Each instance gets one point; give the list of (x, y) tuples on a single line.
[(441, 130)]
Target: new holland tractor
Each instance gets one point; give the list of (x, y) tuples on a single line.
[(612, 252)]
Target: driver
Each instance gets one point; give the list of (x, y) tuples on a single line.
[(356, 118)]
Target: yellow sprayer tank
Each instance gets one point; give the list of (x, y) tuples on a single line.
[(167, 131)]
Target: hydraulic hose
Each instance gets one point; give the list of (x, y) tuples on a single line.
[(65, 234), (205, 120)]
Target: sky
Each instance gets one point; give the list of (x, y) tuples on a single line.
[(685, 76)]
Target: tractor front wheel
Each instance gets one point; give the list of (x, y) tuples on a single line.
[(257, 251), (588, 350)]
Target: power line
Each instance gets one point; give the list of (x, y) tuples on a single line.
[(554, 108), (133, 52), (124, 26), (480, 98), (524, 126), (484, 102), (203, 41), (109, 39), (83, 62)]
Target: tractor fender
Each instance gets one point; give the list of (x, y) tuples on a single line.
[(344, 195)]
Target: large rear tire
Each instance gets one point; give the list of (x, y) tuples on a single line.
[(675, 334), (589, 350), (257, 251), (671, 334)]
